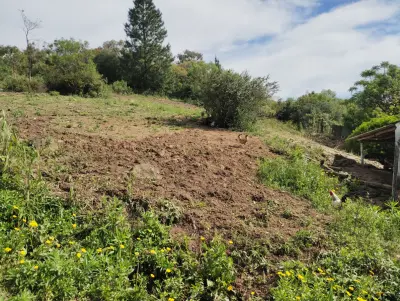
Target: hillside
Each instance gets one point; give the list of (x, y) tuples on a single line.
[(155, 155)]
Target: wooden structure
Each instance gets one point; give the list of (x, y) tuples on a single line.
[(389, 132)]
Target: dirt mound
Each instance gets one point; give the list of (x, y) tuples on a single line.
[(208, 173)]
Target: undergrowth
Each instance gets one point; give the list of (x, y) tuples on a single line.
[(51, 250), (361, 257)]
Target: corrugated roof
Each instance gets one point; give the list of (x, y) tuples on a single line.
[(386, 132)]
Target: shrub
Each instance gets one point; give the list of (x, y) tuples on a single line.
[(54, 93), (234, 100), (121, 87), (21, 83)]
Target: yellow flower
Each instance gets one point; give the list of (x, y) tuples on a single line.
[(171, 299), (300, 277), (231, 242), (79, 255), (121, 246), (21, 261), (74, 226), (58, 245), (14, 216), (351, 288), (99, 250), (202, 238), (288, 273), (17, 229), (138, 238), (22, 252), (35, 267), (152, 276), (33, 224), (71, 243), (83, 250), (162, 251), (281, 274), (152, 252), (24, 220), (252, 293), (51, 238), (73, 214), (15, 207), (361, 299), (348, 293), (329, 279), (7, 250), (320, 270), (168, 271), (168, 249), (230, 288), (137, 253), (364, 292), (48, 242), (298, 298)]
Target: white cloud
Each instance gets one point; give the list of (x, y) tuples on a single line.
[(304, 51)]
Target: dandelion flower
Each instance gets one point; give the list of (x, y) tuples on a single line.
[(298, 298), (58, 246), (300, 277), (15, 207), (33, 224), (281, 274), (21, 261), (79, 255), (51, 238), (14, 216), (168, 271), (74, 226), (231, 242), (168, 249), (121, 246), (35, 267), (7, 250), (152, 276), (24, 220), (99, 250), (288, 273), (137, 253), (348, 293), (152, 252), (351, 288), (230, 288), (17, 229), (83, 250), (330, 279), (320, 270), (361, 299), (252, 293), (202, 238), (22, 252), (171, 299), (138, 238), (73, 214), (48, 242)]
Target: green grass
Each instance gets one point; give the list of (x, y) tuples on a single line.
[(361, 258)]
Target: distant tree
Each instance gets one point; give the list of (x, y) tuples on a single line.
[(108, 60), (217, 63), (146, 60), (29, 26), (379, 88), (189, 56)]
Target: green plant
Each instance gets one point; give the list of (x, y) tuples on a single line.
[(121, 87)]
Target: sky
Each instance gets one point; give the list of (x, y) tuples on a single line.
[(305, 45)]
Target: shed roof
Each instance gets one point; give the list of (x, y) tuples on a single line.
[(384, 133)]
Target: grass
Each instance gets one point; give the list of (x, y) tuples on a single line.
[(361, 258)]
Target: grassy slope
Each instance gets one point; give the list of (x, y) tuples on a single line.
[(356, 262)]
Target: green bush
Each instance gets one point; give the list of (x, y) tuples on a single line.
[(121, 87), (21, 83), (234, 100)]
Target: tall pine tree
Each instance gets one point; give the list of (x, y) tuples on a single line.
[(146, 59)]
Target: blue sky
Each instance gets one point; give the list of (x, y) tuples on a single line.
[(305, 45)]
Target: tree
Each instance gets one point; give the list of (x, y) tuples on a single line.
[(29, 26), (146, 60), (190, 56), (108, 60), (379, 88)]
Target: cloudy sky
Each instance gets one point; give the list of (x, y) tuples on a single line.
[(305, 45)]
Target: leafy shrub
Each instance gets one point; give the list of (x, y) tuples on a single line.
[(54, 93), (121, 87), (21, 83), (234, 100)]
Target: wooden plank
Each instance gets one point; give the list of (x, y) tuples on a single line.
[(362, 153), (396, 164)]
